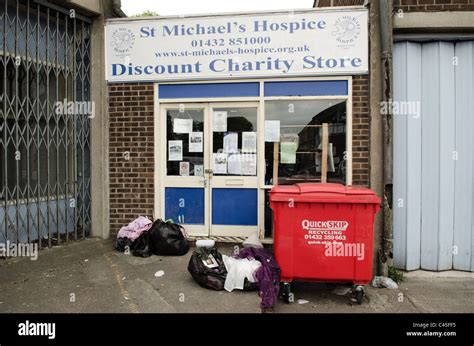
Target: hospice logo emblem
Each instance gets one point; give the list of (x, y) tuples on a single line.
[(347, 31), (123, 40), (312, 225)]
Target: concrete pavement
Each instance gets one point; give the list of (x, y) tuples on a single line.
[(89, 276)]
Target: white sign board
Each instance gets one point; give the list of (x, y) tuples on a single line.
[(300, 43)]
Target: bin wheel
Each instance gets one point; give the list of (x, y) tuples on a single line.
[(360, 295), (286, 292)]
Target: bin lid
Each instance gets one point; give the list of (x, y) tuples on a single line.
[(318, 192)]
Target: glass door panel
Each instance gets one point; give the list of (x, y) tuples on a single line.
[(233, 182), (236, 142), (185, 139)]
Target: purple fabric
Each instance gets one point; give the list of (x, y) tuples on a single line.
[(135, 228), (268, 275)]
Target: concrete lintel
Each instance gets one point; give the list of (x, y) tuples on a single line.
[(455, 20)]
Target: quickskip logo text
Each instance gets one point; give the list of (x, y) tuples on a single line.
[(317, 225)]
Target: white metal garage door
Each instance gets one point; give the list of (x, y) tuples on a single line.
[(434, 155)]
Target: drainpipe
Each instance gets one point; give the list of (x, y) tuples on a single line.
[(386, 32)]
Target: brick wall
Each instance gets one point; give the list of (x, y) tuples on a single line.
[(131, 136), (360, 130), (433, 5), (411, 5)]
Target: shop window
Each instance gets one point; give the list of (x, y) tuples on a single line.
[(298, 158)]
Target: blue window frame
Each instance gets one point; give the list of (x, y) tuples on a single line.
[(307, 88), (208, 90), (252, 89)]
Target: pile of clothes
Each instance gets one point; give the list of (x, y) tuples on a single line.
[(143, 237), (252, 267)]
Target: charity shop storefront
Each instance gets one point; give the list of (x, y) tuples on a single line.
[(208, 113)]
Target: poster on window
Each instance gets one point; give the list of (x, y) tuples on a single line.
[(220, 121), (288, 148), (288, 152), (175, 150), (272, 131), (220, 163), (231, 142), (198, 170), (182, 125), (234, 164), (195, 142), (184, 168), (249, 164), (249, 142)]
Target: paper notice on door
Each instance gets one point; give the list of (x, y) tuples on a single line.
[(249, 164), (272, 131), (182, 125), (198, 170), (219, 121), (175, 150), (220, 163), (249, 142), (184, 168), (195, 142), (231, 142), (288, 152), (234, 166)]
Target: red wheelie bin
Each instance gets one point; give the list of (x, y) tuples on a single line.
[(324, 233)]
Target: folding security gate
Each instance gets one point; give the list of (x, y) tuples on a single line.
[(44, 123), (434, 155)]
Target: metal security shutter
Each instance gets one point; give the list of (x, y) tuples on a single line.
[(44, 153), (434, 156)]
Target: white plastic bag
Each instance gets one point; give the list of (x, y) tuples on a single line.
[(383, 281)]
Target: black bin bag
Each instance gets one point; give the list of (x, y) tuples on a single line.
[(167, 239), (207, 268), (123, 244), (139, 247)]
